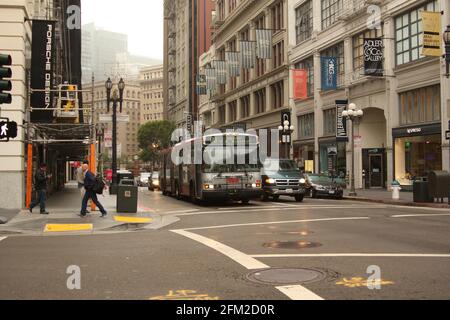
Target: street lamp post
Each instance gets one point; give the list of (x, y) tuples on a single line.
[(353, 114), (115, 100), (286, 131), (447, 50)]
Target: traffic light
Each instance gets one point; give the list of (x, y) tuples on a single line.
[(5, 85), (8, 130)]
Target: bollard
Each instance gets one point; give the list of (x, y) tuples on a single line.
[(396, 190)]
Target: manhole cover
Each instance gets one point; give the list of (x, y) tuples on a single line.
[(287, 276), (292, 245)]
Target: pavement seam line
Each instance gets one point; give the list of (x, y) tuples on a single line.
[(276, 222), (355, 255)]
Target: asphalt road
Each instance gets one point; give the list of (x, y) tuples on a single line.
[(334, 248)]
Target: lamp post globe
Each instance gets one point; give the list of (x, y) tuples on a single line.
[(108, 84)]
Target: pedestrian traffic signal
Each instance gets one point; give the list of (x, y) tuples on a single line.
[(5, 85), (8, 130)]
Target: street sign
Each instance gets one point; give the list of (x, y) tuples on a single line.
[(107, 118), (447, 135), (8, 130)]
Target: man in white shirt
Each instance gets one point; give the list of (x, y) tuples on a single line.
[(80, 179)]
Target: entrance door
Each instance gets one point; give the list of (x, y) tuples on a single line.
[(376, 170)]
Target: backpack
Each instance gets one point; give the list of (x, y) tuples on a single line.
[(99, 185)]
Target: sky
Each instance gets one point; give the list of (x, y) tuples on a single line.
[(141, 20)]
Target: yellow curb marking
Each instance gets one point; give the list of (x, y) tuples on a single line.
[(68, 227), (184, 295), (361, 282), (132, 219)]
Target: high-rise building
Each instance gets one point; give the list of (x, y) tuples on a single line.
[(187, 34), (152, 98)]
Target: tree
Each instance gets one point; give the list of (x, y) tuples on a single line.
[(154, 137)]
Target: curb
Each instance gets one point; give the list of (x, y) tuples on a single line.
[(401, 203)]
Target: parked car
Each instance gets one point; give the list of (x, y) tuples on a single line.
[(143, 179), (282, 179), (323, 186), (153, 182)]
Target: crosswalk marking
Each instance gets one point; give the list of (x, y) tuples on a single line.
[(3, 238)]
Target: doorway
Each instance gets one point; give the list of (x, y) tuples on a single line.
[(376, 171)]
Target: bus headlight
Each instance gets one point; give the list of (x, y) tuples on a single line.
[(271, 181), (208, 187)]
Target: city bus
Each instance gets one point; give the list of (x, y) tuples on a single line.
[(234, 173)]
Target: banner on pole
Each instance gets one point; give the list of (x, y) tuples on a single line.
[(221, 71), (300, 78), (264, 43), (431, 24), (329, 73), (232, 59), (211, 79), (201, 85), (248, 54), (341, 122), (373, 57), (42, 69)]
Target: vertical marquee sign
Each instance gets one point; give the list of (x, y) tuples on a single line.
[(373, 57), (42, 69), (341, 122)]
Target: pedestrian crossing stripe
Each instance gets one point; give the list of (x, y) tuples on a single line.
[(138, 220), (68, 227)]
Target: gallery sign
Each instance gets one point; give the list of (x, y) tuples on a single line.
[(373, 57), (329, 73)]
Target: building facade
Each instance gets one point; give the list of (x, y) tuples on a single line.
[(258, 96), (187, 35), (152, 97), (406, 111), (127, 133)]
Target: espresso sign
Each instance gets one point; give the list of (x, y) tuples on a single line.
[(373, 57)]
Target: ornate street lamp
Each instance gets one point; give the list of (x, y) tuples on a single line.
[(447, 50), (354, 115), (286, 131), (117, 97)]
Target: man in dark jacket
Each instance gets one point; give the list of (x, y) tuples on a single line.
[(40, 185), (89, 182)]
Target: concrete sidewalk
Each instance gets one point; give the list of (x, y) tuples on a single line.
[(64, 208), (385, 196)]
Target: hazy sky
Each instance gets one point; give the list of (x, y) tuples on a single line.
[(141, 20)]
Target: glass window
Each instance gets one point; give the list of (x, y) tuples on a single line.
[(303, 21), (306, 126), (330, 12), (408, 33), (420, 105), (308, 65), (329, 122)]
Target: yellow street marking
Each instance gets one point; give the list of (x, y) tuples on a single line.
[(184, 295), (68, 227), (361, 282), (132, 219)]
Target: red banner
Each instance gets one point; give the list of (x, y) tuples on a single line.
[(300, 78)]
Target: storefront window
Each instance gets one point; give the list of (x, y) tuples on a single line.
[(338, 163), (415, 157), (420, 105)]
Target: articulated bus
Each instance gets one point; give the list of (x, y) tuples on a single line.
[(229, 169)]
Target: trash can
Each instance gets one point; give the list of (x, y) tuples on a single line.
[(421, 192), (127, 196)]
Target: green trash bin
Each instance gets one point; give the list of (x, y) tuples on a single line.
[(127, 197), (421, 192)]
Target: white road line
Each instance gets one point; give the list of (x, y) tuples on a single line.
[(2, 238), (299, 293), (295, 292), (419, 208), (355, 255), (264, 209), (179, 211), (422, 215), (241, 258), (277, 222)]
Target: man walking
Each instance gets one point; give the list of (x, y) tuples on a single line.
[(80, 180), (89, 182), (40, 185)]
